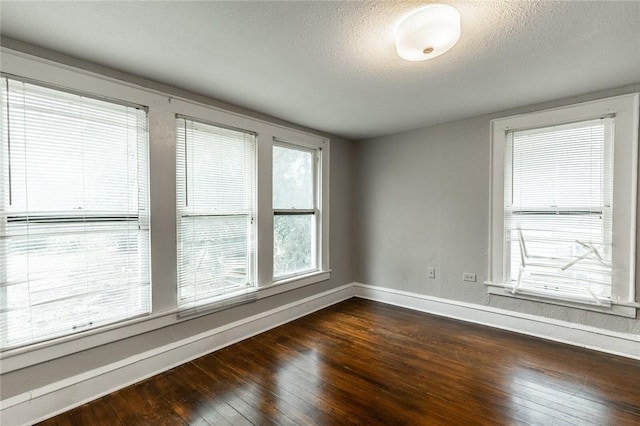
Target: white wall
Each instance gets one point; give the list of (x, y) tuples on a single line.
[(422, 199)]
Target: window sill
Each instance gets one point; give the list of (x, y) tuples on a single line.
[(292, 283), (25, 356), (629, 311), (14, 359)]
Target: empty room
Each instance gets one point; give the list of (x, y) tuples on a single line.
[(319, 212)]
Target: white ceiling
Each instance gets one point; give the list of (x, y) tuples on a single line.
[(332, 66)]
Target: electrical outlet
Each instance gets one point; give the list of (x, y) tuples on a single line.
[(466, 276), (431, 272)]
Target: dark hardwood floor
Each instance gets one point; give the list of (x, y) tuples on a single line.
[(367, 363)]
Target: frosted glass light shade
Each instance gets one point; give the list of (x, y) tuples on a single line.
[(428, 32)]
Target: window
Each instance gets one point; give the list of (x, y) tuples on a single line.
[(558, 210), (563, 221), (77, 248), (295, 209), (216, 215), (74, 221)]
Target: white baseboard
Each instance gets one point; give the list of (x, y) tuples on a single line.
[(48, 401), (42, 403), (627, 345)]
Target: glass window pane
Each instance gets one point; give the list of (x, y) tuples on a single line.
[(73, 215), (59, 280), (292, 178), (69, 152), (561, 166), (293, 244), (218, 168), (558, 218), (215, 194), (213, 256)]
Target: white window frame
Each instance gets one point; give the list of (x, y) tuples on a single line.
[(266, 136), (162, 110), (239, 295), (142, 218), (315, 210), (320, 148), (626, 112)]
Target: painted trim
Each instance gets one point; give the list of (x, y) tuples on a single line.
[(40, 352), (293, 283), (227, 108), (50, 400), (615, 308), (625, 191), (612, 342), (162, 108)]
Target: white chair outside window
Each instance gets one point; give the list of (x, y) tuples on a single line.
[(535, 264)]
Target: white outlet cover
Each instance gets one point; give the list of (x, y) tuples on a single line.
[(469, 277)]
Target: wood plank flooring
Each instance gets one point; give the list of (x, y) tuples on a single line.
[(366, 363)]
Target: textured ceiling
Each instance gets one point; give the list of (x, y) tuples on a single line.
[(332, 66)]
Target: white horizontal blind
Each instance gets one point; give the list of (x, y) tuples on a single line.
[(74, 219), (215, 172), (558, 211), (295, 221)]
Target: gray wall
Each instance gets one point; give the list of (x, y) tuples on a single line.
[(20, 381), (422, 199), (341, 195), (415, 199)]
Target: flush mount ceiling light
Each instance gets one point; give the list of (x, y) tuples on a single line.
[(428, 32)]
